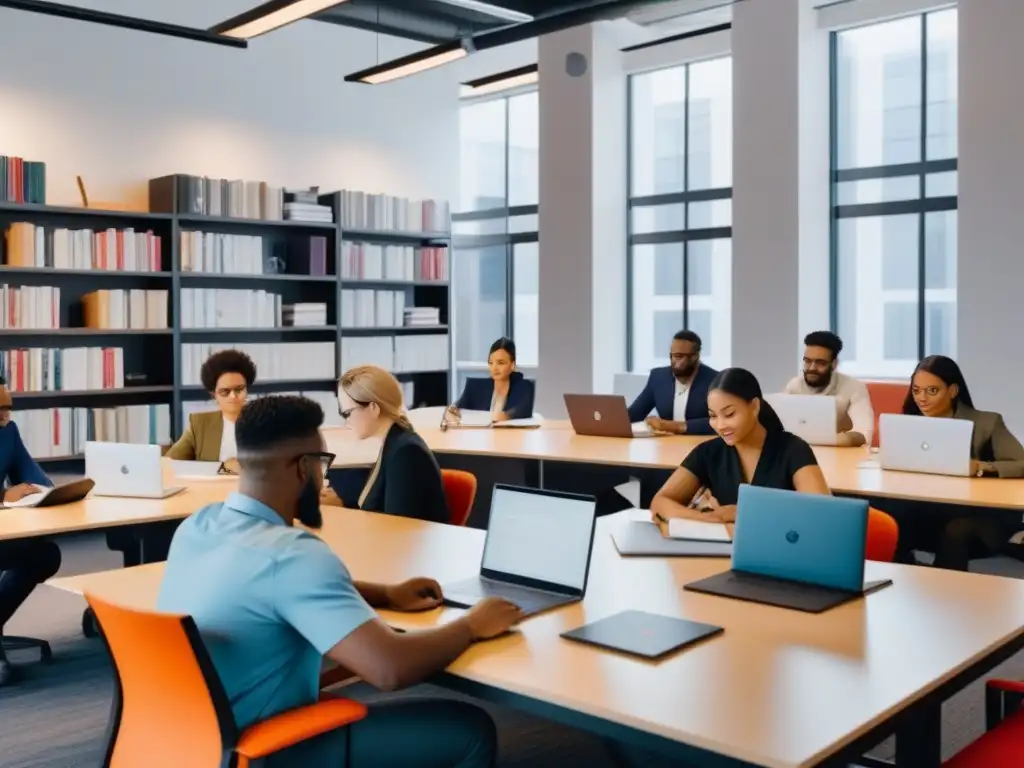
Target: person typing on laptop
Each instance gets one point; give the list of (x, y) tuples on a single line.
[(751, 447), (677, 393), (271, 599), (855, 418), (24, 563), (939, 390)]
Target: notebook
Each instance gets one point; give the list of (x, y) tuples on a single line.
[(697, 530)]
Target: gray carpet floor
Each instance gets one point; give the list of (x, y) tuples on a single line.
[(56, 716)]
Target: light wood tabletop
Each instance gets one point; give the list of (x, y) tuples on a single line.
[(847, 470), (779, 688)]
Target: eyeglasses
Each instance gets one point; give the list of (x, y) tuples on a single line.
[(325, 459), (229, 391), (347, 414)]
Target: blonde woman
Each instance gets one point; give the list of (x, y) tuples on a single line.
[(406, 479)]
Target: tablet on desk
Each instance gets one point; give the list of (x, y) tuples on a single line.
[(638, 633)]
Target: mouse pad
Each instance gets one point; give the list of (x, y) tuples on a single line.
[(638, 633)]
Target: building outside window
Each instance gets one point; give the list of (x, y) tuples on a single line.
[(894, 173), (495, 253), (680, 211)]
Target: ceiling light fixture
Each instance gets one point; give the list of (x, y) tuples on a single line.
[(490, 9), (412, 64), (270, 16), (124, 22), (503, 81)]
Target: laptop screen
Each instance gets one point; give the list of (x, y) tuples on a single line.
[(541, 536)]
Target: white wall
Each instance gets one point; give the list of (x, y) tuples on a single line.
[(120, 107)]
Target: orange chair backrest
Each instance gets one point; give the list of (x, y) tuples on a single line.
[(883, 536), (170, 709), (459, 491), (886, 397)]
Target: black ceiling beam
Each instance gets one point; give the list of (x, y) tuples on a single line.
[(681, 36), (124, 22)]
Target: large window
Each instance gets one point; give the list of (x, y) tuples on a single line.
[(894, 192), (680, 211), (495, 251)]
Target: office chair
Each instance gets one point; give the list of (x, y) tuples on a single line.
[(883, 536), (459, 491), (1002, 744), (11, 643), (170, 708)]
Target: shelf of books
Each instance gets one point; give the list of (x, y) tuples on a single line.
[(107, 316)]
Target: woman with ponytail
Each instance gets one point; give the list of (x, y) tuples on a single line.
[(405, 480), (751, 447)]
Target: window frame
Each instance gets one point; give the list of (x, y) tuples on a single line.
[(682, 236), (923, 168), (507, 239)]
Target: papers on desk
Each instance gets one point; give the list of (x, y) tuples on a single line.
[(697, 530), (196, 470), (32, 500), (533, 423), (474, 419)]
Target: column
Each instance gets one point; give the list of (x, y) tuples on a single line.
[(780, 248), (990, 237), (582, 214)]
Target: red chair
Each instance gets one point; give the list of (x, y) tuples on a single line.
[(459, 491), (886, 397), (883, 536), (170, 708), (1002, 745)]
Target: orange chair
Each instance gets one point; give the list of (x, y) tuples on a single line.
[(883, 536), (170, 708), (1003, 742), (886, 397), (460, 491)]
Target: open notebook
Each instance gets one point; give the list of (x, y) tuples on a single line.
[(484, 420)]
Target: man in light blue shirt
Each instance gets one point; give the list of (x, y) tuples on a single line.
[(271, 600)]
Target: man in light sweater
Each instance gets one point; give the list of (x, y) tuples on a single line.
[(855, 418)]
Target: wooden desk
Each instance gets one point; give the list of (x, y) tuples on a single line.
[(100, 512), (843, 467), (779, 688)]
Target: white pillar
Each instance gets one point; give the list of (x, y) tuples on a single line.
[(990, 240), (780, 166), (582, 214)]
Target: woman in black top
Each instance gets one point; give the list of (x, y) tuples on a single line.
[(406, 479), (751, 447)]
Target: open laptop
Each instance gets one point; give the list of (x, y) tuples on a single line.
[(811, 417), (131, 470), (604, 416), (537, 551), (795, 550), (921, 444)]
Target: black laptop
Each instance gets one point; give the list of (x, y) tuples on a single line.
[(647, 635), (537, 551)]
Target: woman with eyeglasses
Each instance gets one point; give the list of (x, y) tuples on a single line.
[(405, 480), (210, 436), (938, 390)]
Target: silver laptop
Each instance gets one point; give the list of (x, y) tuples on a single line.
[(131, 470), (922, 444), (811, 417), (537, 551)]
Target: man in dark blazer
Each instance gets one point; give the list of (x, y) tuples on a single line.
[(678, 393)]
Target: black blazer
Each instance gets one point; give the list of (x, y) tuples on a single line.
[(659, 395), (477, 394), (408, 482)]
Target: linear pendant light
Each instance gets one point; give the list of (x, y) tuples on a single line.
[(133, 23), (412, 64), (270, 16), (503, 81)]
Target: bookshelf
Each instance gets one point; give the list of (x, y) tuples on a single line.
[(197, 257)]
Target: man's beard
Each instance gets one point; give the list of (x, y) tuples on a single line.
[(308, 511), (685, 372), (821, 380)]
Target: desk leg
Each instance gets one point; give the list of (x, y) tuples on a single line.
[(919, 737), (540, 474)]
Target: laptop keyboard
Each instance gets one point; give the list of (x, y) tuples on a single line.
[(528, 600)]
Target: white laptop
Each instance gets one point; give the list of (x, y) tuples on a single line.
[(812, 417), (131, 470), (920, 444)]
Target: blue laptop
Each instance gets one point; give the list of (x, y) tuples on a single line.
[(795, 550)]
